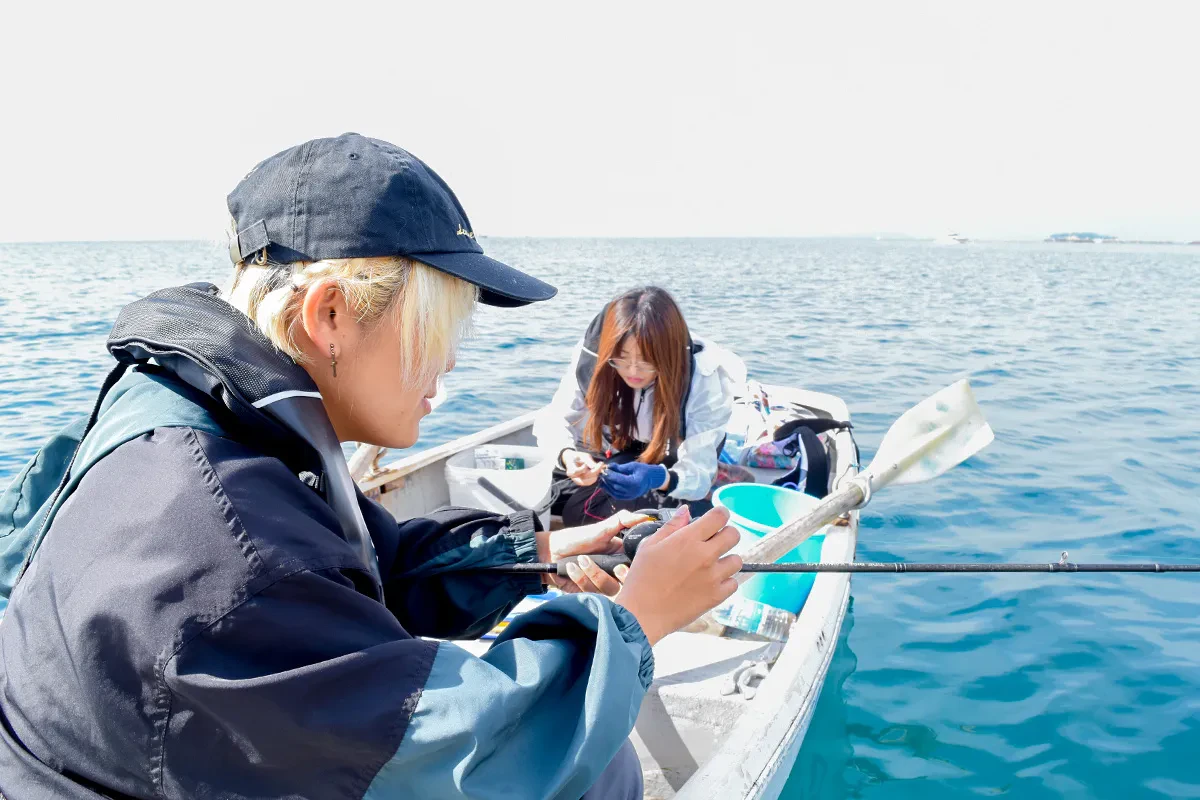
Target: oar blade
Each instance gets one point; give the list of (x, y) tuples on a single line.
[(937, 434)]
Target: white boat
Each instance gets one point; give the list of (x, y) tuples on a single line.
[(710, 726), (951, 238)]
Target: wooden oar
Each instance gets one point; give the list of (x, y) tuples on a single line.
[(932, 437)]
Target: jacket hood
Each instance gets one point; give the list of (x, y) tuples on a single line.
[(190, 332)]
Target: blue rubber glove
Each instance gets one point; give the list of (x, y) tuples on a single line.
[(627, 481)]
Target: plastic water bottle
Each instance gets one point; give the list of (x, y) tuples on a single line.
[(754, 618)]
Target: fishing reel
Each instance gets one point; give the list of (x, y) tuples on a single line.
[(632, 539)]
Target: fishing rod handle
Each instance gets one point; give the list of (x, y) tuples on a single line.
[(632, 539), (606, 563)]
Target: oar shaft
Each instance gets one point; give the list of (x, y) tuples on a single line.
[(787, 538)]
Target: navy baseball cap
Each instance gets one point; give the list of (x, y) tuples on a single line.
[(352, 197)]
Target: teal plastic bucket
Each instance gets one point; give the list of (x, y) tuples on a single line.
[(757, 509)]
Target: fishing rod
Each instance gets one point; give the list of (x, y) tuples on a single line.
[(637, 534), (610, 563)]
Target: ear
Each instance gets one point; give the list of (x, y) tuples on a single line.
[(325, 316)]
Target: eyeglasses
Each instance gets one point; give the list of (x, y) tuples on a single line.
[(625, 365)]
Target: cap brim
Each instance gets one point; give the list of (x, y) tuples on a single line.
[(499, 284)]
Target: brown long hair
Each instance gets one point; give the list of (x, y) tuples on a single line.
[(651, 316)]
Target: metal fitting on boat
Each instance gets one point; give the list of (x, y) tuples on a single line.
[(863, 482)]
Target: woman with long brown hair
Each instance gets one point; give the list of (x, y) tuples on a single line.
[(640, 415)]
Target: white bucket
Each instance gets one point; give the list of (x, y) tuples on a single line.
[(530, 486)]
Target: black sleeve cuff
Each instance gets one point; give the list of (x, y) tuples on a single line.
[(672, 482)]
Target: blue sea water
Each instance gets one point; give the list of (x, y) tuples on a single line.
[(1086, 360)]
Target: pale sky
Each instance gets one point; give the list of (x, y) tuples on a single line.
[(997, 120)]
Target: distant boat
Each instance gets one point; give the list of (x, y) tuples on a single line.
[(951, 238), (1085, 238)]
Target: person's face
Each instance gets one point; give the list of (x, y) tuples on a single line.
[(632, 367)]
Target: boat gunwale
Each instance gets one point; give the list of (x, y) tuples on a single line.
[(798, 728), (407, 465), (734, 755)]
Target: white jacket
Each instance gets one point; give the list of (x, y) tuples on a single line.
[(719, 374)]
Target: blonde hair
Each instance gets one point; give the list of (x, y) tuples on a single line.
[(430, 309)]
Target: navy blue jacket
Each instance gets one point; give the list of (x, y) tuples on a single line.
[(196, 624)]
